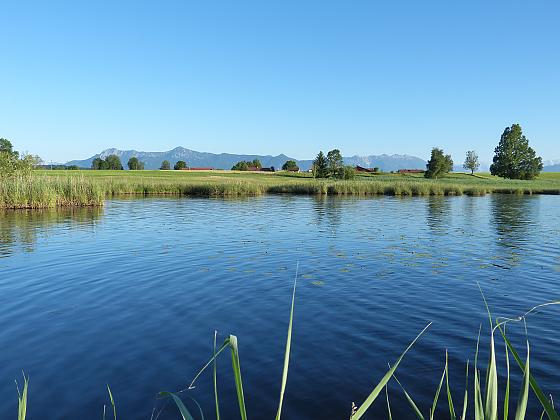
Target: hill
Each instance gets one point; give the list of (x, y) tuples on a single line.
[(152, 160)]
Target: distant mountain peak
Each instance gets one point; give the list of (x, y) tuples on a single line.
[(153, 160)]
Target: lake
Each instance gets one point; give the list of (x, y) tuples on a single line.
[(130, 295)]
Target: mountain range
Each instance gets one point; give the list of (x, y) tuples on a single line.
[(153, 160)]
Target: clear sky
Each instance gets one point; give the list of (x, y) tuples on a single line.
[(293, 77)]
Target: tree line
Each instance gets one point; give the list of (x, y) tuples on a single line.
[(113, 162), (513, 158)]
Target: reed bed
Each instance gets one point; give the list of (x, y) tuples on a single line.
[(36, 192), (89, 188)]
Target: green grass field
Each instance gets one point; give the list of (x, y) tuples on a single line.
[(83, 188)]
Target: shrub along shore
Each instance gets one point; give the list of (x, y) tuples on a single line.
[(46, 188)]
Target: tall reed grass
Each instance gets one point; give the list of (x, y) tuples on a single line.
[(86, 188), (41, 192)]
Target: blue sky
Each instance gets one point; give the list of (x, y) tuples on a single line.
[(287, 77)]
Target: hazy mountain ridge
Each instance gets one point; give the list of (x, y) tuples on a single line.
[(152, 160), (193, 158)]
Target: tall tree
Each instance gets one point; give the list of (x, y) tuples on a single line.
[(439, 164), (320, 167), (335, 163), (256, 163), (134, 164), (290, 165), (113, 162), (471, 162), (10, 162), (181, 164), (514, 158), (165, 165), (6, 147), (98, 164), (241, 166)]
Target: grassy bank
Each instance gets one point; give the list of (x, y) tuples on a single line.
[(43, 192), (82, 188)]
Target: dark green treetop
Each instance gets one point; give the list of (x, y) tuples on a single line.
[(514, 158), (439, 164), (181, 164), (134, 164), (320, 168), (290, 165)]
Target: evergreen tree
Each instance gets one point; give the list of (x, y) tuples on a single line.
[(514, 158), (165, 165), (320, 168), (439, 164)]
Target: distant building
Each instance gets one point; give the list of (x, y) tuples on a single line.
[(362, 169), (410, 171), (255, 169), (197, 169)]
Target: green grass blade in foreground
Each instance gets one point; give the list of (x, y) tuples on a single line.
[(112, 402), (373, 395), (491, 400), (478, 407), (436, 397), (524, 394), (22, 399), (237, 374), (224, 346), (287, 352), (466, 398), (449, 399), (388, 405), (179, 403), (410, 401), (550, 412), (506, 397), (215, 379)]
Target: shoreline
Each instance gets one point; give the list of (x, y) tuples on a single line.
[(53, 189)]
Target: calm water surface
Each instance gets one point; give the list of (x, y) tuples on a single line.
[(131, 294)]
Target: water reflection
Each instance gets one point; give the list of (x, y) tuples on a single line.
[(512, 218), (328, 211), (438, 215), (20, 229)]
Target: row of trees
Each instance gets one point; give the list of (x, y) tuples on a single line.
[(113, 162), (331, 166), (513, 158), (244, 165), (12, 163)]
